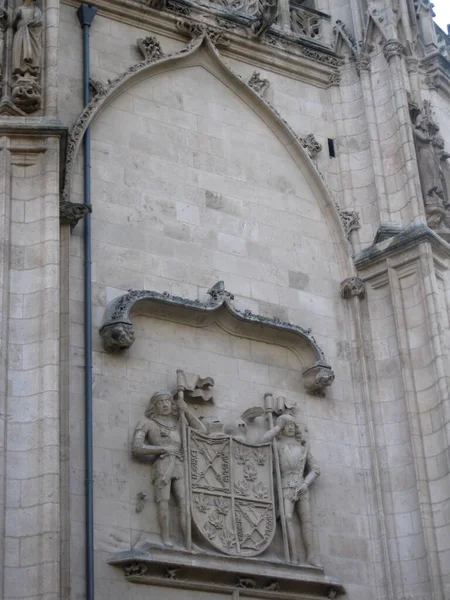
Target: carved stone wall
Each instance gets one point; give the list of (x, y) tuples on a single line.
[(239, 142)]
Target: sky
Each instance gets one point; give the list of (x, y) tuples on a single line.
[(442, 10)]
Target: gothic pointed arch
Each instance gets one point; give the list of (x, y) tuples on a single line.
[(202, 51)]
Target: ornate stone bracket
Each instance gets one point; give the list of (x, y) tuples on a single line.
[(118, 333), (353, 286)]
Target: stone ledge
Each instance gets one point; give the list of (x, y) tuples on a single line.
[(215, 573), (410, 236)]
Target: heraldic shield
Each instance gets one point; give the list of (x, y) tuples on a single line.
[(232, 493)]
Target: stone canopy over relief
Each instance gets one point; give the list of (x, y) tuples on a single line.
[(235, 485), (118, 333)]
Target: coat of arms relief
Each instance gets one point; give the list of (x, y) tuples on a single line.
[(233, 484)]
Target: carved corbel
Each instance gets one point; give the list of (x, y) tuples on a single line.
[(71, 212), (353, 286), (393, 48), (317, 378)]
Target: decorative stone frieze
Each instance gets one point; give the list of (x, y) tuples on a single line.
[(118, 333), (311, 145), (257, 83), (71, 212), (353, 286)]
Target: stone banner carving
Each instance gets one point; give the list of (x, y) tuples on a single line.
[(232, 497)]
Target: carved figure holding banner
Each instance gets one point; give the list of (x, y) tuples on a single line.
[(160, 435), (298, 471)]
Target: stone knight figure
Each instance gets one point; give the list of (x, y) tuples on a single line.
[(159, 435), (298, 471)]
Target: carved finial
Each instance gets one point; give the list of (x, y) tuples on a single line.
[(332, 593), (150, 48), (218, 292), (353, 286), (71, 212)]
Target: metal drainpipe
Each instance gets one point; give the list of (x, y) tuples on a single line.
[(86, 14)]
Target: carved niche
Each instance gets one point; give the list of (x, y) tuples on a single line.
[(118, 333)]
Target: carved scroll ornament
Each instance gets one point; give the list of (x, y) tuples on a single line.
[(118, 333)]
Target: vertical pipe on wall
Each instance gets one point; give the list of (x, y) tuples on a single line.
[(86, 14)]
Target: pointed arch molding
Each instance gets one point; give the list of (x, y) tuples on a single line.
[(118, 333), (201, 51)]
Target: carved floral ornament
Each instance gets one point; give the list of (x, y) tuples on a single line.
[(118, 333)]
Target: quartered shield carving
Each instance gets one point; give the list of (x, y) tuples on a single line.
[(232, 494)]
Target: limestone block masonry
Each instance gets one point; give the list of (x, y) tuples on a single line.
[(267, 231)]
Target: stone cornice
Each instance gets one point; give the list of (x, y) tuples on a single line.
[(296, 57), (32, 126), (403, 241)]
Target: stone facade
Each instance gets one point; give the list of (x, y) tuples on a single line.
[(270, 227)]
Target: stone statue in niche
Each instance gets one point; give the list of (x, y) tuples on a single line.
[(298, 471), (26, 56), (160, 435), (433, 169)]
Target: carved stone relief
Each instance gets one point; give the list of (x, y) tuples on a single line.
[(257, 83), (225, 489), (349, 218), (118, 333), (311, 145), (21, 58)]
